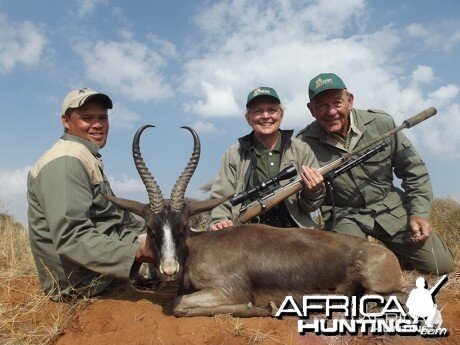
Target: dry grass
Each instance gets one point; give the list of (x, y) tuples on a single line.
[(445, 218), (26, 314), (237, 328), (15, 256)]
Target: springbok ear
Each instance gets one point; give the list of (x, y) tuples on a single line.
[(202, 206), (130, 206)]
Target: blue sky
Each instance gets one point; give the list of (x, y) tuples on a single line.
[(175, 63)]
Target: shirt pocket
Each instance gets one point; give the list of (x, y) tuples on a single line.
[(378, 167)]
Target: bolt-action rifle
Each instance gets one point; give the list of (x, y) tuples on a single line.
[(263, 198)]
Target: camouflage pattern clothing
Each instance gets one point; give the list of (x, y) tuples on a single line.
[(239, 164), (366, 200), (80, 241)]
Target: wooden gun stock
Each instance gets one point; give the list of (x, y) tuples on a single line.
[(271, 200)]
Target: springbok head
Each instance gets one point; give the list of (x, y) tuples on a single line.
[(166, 220)]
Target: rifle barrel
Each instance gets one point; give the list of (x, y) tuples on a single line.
[(255, 208)]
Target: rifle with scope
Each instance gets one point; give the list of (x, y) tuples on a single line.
[(262, 190), (264, 198)]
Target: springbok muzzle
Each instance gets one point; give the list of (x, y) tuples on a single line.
[(169, 267)]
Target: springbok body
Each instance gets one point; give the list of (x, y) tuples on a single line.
[(247, 270)]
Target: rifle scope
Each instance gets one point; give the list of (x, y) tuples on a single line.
[(284, 174)]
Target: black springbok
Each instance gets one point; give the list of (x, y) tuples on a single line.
[(247, 270)]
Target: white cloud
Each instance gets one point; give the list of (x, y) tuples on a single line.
[(164, 46), (331, 17), (87, 7), (434, 35), (440, 135), (289, 47), (219, 102), (20, 43), (258, 18), (417, 30), (126, 184), (13, 182), (445, 95), (423, 74), (277, 51), (204, 127), (383, 41), (122, 117), (130, 68)]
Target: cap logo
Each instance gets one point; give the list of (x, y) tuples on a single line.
[(259, 91), (320, 82), (83, 90)]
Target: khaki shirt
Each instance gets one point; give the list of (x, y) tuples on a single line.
[(367, 193), (234, 174), (80, 241)]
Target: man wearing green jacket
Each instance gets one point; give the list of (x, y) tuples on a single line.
[(366, 200), (81, 242)]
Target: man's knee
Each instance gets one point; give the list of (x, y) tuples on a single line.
[(436, 265), (441, 262), (434, 257), (347, 227)]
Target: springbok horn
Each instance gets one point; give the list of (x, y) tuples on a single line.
[(130, 206), (206, 205), (156, 199), (177, 199)]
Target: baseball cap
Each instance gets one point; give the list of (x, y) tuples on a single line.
[(323, 82), (79, 97), (262, 91)]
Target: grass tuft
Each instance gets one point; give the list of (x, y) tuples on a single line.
[(27, 316)]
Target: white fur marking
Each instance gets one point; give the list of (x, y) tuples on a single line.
[(169, 263)]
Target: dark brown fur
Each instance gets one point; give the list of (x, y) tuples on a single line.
[(247, 269)]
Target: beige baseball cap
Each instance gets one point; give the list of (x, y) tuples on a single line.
[(79, 97)]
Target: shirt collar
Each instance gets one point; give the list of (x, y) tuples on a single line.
[(260, 149), (92, 147), (352, 129)]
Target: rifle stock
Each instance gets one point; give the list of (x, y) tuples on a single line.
[(271, 200)]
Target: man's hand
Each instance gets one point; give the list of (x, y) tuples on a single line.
[(222, 224), (420, 230), (144, 252), (312, 179)]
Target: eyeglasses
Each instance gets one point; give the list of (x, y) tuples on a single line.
[(260, 111)]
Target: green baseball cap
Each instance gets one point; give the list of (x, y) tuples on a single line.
[(262, 91), (323, 82)]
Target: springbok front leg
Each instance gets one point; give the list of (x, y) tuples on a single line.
[(210, 302)]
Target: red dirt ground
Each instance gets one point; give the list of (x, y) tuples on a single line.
[(137, 317)]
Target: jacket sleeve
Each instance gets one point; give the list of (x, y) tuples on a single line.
[(224, 185), (409, 167), (310, 202), (66, 193), (132, 224)]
